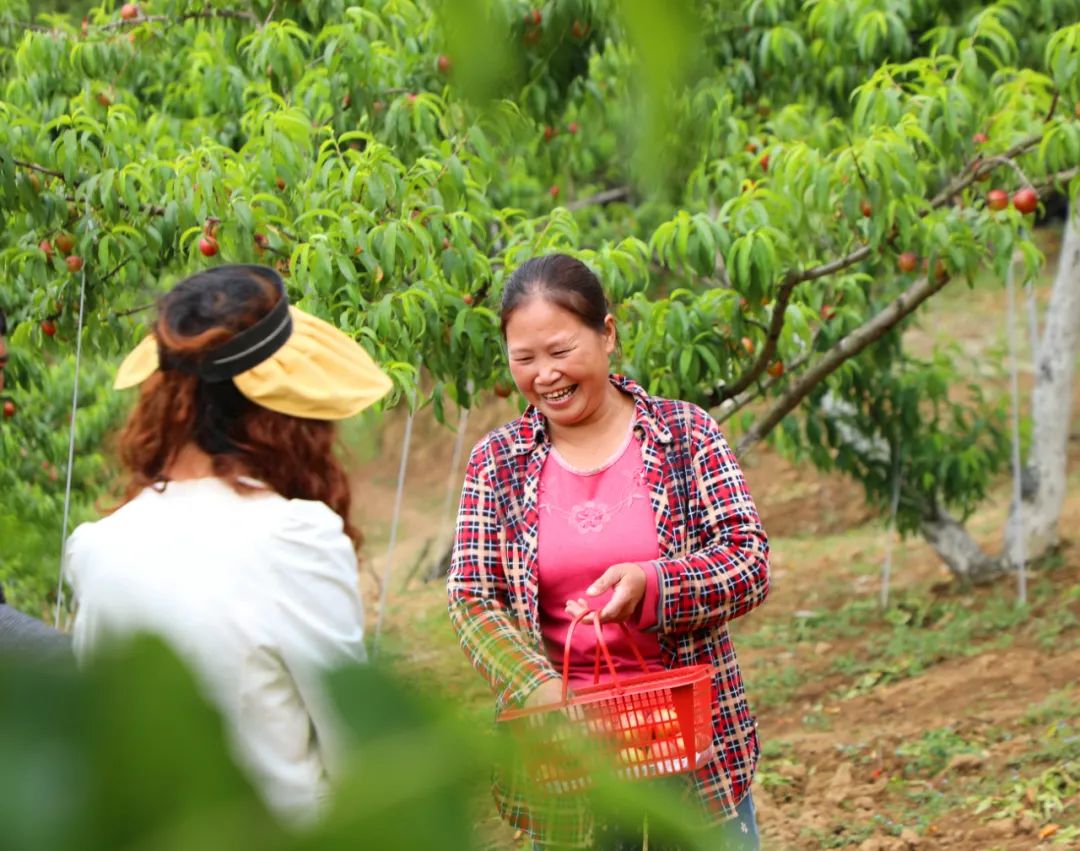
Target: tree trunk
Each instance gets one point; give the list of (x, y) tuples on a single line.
[(1033, 530), (966, 560)]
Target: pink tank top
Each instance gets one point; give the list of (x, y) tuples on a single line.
[(589, 521)]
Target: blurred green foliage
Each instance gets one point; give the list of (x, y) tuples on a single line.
[(128, 755)]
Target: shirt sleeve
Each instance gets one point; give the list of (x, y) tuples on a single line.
[(729, 575), (478, 596), (320, 618)]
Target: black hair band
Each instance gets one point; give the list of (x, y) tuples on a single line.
[(246, 350)]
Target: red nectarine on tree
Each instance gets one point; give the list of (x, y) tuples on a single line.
[(907, 261), (997, 199), (1026, 200)]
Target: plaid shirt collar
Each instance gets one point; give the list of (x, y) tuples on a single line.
[(532, 430)]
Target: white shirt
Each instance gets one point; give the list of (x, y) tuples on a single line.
[(257, 593)]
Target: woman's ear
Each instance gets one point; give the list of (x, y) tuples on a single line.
[(611, 334)]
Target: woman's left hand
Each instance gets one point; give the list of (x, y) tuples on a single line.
[(627, 580)]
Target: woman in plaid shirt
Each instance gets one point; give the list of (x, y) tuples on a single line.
[(601, 496)]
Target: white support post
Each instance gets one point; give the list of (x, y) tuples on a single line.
[(388, 568), (1014, 367)]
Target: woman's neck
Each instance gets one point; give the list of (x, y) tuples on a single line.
[(592, 442), (189, 463)]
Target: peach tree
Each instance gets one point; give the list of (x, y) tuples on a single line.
[(769, 189)]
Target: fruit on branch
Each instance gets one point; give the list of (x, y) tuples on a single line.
[(74, 263), (534, 17), (549, 133), (261, 240), (572, 128), (1026, 200), (129, 11), (47, 248), (748, 345), (764, 162), (346, 101), (997, 199), (907, 261), (468, 299), (378, 106), (776, 368), (48, 327), (280, 183), (104, 99), (866, 209), (503, 390), (208, 246), (64, 242), (827, 312), (9, 408), (980, 138), (554, 191), (444, 64)]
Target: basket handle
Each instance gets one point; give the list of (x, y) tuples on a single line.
[(601, 647)]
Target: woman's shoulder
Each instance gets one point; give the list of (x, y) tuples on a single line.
[(683, 419), (309, 520), (507, 440), (211, 505), (676, 416)]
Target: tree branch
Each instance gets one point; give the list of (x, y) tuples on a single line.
[(729, 407), (973, 170), (867, 333), (776, 322), (237, 14), (38, 168), (135, 310), (1045, 187), (608, 196), (796, 277)]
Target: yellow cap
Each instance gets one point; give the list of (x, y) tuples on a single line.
[(319, 373)]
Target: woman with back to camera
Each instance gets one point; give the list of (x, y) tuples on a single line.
[(233, 541), (601, 496)]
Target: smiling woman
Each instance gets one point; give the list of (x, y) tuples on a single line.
[(602, 497)]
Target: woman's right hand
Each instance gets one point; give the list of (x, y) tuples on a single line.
[(548, 692)]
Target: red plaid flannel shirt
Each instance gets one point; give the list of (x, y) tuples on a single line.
[(714, 567)]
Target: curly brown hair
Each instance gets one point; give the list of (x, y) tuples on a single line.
[(292, 455)]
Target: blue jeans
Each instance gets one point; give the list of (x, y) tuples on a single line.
[(739, 833)]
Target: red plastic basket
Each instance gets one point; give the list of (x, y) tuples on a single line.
[(649, 725)]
